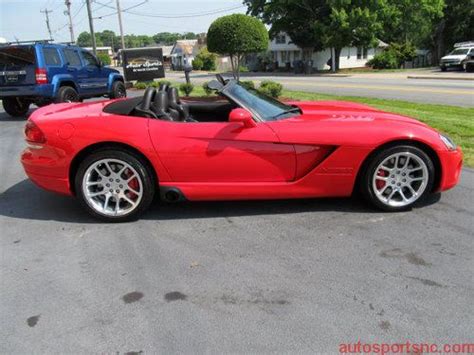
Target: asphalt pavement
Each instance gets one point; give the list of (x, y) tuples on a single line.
[(243, 277), (449, 88)]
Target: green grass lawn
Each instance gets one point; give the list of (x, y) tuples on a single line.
[(457, 122)]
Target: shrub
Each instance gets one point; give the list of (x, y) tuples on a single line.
[(384, 60), (248, 84), (104, 58), (206, 88), (197, 63), (186, 88), (271, 88), (393, 57), (140, 85), (243, 69)]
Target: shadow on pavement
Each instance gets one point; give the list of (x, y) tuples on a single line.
[(26, 201)]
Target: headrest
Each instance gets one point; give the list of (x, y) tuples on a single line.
[(161, 101), (173, 96), (163, 87)]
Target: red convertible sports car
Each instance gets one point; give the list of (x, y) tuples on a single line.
[(115, 156)]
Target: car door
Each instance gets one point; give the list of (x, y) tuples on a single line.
[(73, 64), (221, 152), (94, 81)]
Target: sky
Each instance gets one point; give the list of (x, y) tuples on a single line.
[(22, 19)]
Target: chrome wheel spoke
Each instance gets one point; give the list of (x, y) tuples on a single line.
[(94, 194)]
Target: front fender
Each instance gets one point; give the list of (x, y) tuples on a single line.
[(113, 77)]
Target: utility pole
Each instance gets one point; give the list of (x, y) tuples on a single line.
[(91, 26), (119, 13), (68, 12), (47, 12)]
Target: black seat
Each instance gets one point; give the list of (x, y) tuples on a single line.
[(163, 87), (161, 106), (144, 108), (176, 104)]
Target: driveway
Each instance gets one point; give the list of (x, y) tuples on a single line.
[(269, 276)]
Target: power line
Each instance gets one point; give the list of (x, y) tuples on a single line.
[(186, 15)]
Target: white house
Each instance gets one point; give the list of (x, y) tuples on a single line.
[(183, 53), (284, 51)]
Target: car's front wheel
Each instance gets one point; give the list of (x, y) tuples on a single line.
[(114, 185), (15, 106), (397, 178), (118, 90)]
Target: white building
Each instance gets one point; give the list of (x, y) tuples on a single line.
[(184, 51), (284, 51)]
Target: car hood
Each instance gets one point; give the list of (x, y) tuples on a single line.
[(347, 123)]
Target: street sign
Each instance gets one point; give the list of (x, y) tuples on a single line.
[(143, 64)]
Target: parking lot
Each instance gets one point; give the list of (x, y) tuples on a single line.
[(266, 276)]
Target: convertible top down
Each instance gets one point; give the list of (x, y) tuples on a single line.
[(115, 156)]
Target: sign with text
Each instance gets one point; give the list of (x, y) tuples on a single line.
[(143, 64)]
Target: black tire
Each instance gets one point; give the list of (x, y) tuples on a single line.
[(15, 106), (67, 94), (443, 68), (118, 90), (366, 185), (141, 167)]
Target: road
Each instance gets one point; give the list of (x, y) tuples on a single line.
[(386, 86), (243, 277)]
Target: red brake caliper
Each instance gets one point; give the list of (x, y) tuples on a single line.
[(381, 183)]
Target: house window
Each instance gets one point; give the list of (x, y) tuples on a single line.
[(361, 53), (280, 39)]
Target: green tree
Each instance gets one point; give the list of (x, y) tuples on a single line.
[(84, 39), (207, 59), (411, 21), (237, 35)]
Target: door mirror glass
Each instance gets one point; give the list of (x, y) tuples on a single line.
[(239, 115)]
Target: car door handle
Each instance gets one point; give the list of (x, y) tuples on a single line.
[(71, 69)]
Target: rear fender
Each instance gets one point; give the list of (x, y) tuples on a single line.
[(113, 77), (60, 79)]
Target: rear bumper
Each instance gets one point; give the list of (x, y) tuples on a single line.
[(44, 90), (46, 169), (451, 166)]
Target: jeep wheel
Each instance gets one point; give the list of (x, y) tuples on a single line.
[(67, 94), (118, 90), (15, 106)]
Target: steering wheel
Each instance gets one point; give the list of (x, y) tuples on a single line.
[(220, 79)]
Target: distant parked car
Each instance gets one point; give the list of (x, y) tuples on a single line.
[(43, 73), (458, 57)]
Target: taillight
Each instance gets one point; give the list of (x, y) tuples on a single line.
[(33, 134), (41, 76)]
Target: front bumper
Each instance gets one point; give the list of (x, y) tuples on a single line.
[(47, 168), (451, 166)]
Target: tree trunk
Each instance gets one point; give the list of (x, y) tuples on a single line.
[(337, 54), (232, 64)]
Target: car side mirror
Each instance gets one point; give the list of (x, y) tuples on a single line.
[(239, 115)]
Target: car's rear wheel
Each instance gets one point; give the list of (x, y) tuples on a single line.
[(67, 94), (443, 68), (114, 185), (118, 90), (16, 106), (398, 177)]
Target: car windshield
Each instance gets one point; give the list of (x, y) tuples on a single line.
[(267, 108), (460, 51)]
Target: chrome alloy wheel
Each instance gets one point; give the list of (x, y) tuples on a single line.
[(112, 187), (400, 179)]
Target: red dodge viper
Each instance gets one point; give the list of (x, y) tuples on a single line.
[(115, 156)]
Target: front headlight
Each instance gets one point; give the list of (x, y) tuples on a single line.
[(448, 142)]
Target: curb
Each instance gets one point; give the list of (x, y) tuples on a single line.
[(439, 77)]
